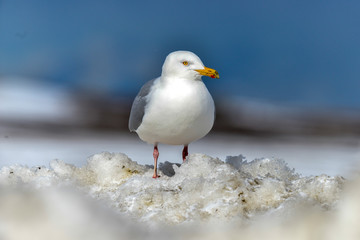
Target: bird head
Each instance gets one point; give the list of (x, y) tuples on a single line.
[(185, 64)]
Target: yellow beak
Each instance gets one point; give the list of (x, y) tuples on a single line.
[(208, 72)]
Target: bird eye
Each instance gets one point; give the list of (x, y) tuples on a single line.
[(185, 63)]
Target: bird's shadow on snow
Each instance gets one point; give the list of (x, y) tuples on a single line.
[(166, 168)]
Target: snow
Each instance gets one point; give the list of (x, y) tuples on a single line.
[(309, 156), (114, 197)]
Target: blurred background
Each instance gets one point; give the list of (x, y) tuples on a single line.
[(69, 72)]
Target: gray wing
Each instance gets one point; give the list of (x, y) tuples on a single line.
[(138, 106)]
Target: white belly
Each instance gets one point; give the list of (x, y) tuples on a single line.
[(178, 113)]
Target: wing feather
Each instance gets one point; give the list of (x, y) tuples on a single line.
[(138, 107)]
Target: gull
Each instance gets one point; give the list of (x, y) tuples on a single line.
[(175, 108)]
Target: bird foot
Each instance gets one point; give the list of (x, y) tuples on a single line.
[(156, 176)]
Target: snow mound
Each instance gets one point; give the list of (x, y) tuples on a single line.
[(112, 194)]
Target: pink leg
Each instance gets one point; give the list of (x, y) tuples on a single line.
[(185, 152), (156, 156)]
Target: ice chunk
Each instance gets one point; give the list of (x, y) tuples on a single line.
[(112, 168), (263, 167), (202, 190)]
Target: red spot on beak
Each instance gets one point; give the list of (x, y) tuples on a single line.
[(212, 76)]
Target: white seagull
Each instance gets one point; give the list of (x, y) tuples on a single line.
[(175, 108)]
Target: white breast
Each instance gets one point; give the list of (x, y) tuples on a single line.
[(178, 112)]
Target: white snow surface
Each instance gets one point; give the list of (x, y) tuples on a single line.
[(114, 197)]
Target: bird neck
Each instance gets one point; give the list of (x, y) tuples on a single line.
[(177, 79)]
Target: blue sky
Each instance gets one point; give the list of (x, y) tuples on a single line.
[(289, 52)]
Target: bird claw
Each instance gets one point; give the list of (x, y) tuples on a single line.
[(156, 176)]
